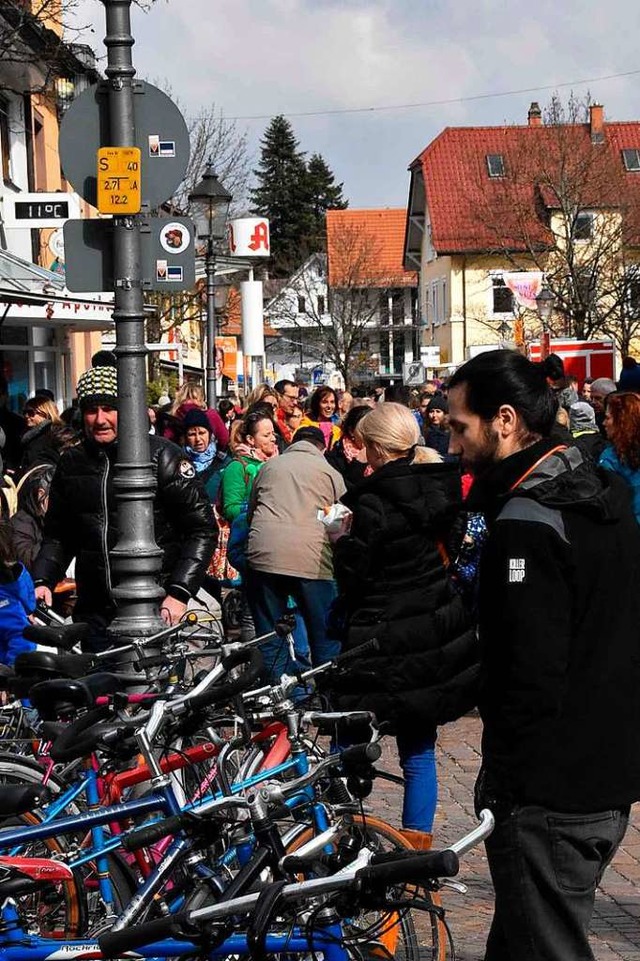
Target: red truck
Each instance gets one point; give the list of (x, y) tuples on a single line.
[(582, 358)]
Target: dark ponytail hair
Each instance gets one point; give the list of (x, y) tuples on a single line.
[(500, 377)]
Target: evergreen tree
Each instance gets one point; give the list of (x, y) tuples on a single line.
[(323, 193), (294, 195), (281, 195)]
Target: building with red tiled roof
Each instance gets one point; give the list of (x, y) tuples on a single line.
[(352, 310), (560, 201), (367, 245)]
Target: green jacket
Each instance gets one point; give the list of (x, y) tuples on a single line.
[(237, 481)]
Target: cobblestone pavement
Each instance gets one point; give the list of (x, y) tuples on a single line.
[(616, 922)]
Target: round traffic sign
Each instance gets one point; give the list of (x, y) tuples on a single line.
[(161, 135)]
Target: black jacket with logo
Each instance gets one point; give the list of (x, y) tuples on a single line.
[(559, 621), (81, 522)]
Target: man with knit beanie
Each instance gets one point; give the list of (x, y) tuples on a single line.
[(81, 520)]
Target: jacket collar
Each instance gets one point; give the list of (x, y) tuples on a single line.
[(304, 447), (496, 482)]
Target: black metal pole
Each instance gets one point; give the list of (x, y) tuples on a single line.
[(136, 558), (210, 268)]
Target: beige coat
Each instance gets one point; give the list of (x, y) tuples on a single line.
[(286, 536)]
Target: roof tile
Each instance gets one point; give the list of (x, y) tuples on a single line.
[(458, 186), (365, 248)]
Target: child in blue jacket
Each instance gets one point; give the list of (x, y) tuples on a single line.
[(17, 600)]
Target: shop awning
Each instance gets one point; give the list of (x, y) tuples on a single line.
[(33, 295)]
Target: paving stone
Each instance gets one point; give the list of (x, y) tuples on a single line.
[(616, 922)]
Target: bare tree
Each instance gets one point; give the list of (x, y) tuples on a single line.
[(563, 206), (39, 41), (219, 141), (340, 300)]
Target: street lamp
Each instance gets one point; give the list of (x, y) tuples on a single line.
[(544, 305), (209, 206)]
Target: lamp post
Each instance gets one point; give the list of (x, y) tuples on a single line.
[(544, 305), (209, 206)]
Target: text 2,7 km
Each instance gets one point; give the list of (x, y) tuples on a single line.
[(119, 180)]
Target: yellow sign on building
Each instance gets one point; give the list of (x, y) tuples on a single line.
[(119, 180)]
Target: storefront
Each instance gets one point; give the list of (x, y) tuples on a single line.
[(47, 336)]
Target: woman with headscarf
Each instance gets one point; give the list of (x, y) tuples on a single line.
[(202, 450), (191, 397)]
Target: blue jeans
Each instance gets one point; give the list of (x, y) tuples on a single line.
[(418, 763), (268, 598), (545, 866)]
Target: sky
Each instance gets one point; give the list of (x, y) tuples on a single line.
[(259, 58)]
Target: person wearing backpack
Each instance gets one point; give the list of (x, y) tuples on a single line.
[(255, 444)]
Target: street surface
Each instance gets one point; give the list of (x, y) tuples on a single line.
[(616, 923)]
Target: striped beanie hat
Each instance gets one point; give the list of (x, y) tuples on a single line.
[(98, 387)]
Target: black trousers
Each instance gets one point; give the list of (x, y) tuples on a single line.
[(545, 867)]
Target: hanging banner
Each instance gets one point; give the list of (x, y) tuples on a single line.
[(249, 237), (525, 285)]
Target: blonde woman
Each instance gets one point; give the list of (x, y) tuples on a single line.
[(38, 442), (393, 583), (262, 394)]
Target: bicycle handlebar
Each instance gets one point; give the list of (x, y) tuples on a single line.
[(287, 683), (405, 867)]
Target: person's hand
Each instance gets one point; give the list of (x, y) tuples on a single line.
[(43, 593), (341, 528), (172, 610)]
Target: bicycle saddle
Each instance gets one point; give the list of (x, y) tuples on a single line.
[(48, 665), (19, 798), (62, 696), (65, 636)]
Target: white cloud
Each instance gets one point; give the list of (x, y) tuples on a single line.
[(270, 56)]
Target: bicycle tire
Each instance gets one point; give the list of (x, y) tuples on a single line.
[(23, 770), (59, 911), (404, 942)]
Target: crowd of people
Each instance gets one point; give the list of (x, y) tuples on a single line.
[(483, 531)]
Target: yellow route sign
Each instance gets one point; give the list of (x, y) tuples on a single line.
[(119, 180)]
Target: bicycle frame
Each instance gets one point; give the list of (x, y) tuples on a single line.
[(162, 802), (17, 945)]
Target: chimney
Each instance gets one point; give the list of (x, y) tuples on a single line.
[(596, 122), (535, 114)]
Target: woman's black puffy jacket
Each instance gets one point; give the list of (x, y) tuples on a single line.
[(393, 583)]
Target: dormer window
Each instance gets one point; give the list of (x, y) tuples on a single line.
[(495, 164), (631, 159)]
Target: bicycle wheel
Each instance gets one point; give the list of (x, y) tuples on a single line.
[(59, 910), (377, 935), (56, 914)]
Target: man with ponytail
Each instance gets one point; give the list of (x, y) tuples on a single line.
[(559, 609)]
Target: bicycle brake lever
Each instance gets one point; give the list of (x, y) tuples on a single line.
[(455, 885)]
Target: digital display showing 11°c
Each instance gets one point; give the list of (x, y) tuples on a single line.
[(29, 210)]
